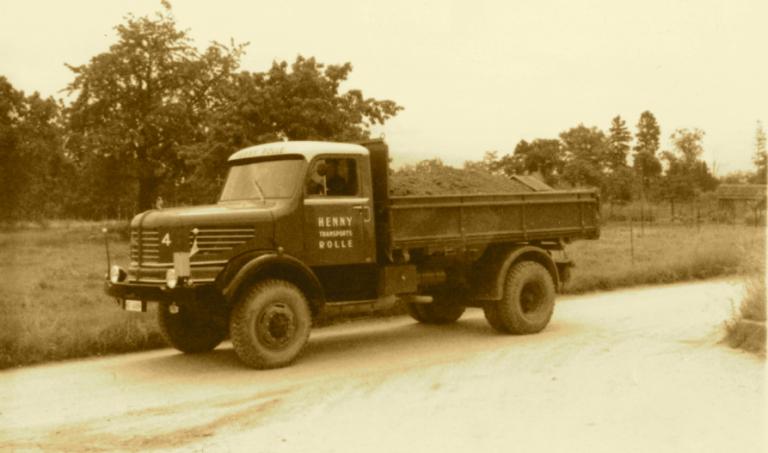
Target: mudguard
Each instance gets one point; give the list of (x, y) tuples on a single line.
[(489, 272), (245, 270)]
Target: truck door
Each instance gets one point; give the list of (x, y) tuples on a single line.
[(338, 211)]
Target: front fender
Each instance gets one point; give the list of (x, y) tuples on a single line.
[(246, 270)]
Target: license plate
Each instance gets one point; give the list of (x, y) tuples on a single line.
[(134, 305)]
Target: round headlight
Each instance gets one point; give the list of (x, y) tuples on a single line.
[(171, 279), (116, 274)]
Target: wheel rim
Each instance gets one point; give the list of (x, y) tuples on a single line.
[(531, 298), (276, 326)]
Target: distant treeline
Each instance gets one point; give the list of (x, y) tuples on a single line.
[(589, 157), (154, 117)]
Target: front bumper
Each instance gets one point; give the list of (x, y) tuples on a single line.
[(150, 293)]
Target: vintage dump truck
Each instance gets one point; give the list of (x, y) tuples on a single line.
[(303, 228)]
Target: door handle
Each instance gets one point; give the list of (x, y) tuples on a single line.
[(367, 212)]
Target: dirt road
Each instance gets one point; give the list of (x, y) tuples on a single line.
[(635, 370)]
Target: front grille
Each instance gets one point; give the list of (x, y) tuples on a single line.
[(150, 246), (214, 241), (210, 242)]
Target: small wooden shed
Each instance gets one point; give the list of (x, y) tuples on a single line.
[(742, 201)]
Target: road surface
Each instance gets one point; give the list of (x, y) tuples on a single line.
[(632, 370)]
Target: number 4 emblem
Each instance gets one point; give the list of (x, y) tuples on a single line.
[(166, 240)]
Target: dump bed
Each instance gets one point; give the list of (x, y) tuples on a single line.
[(463, 220)]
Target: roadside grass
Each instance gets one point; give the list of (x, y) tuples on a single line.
[(664, 254), (746, 330), (51, 301), (52, 306)]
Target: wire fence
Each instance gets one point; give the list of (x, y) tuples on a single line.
[(641, 219), (692, 214)]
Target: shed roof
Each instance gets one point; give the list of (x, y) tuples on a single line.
[(741, 191)]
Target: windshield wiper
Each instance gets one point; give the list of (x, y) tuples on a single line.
[(258, 187)]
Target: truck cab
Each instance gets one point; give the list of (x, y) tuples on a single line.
[(311, 201)]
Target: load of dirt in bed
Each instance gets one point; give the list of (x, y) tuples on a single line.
[(436, 178)]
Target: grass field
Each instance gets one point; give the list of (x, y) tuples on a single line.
[(52, 306), (664, 254), (51, 301)]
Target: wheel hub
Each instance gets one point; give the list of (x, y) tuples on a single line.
[(531, 298), (276, 326)]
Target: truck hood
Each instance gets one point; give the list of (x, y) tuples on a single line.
[(245, 213)]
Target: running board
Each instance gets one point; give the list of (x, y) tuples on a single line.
[(416, 299), (358, 306)]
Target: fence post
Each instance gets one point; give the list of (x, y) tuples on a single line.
[(698, 217), (631, 242)]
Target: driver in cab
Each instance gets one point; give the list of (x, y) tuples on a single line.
[(332, 183)]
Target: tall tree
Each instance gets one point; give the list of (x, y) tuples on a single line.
[(585, 150), (688, 143), (620, 185), (45, 166), (33, 167), (618, 147), (11, 107), (646, 163), (686, 174), (619, 180), (760, 158), (140, 102)]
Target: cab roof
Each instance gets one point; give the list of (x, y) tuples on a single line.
[(308, 149)]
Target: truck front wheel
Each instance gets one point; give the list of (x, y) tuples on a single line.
[(270, 324), (527, 303), (443, 310), (192, 329)]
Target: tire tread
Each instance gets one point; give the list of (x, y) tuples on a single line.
[(246, 351), (506, 315)]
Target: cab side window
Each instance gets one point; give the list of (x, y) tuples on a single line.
[(333, 177)]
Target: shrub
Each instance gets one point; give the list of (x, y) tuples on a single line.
[(747, 329)]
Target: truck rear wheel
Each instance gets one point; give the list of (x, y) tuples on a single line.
[(270, 324), (442, 310), (527, 303), (192, 330)]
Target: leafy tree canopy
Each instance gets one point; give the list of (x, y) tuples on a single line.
[(542, 157), (688, 144), (686, 174), (585, 151), (33, 167), (145, 98), (301, 101)]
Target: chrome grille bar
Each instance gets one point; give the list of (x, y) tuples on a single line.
[(216, 240)]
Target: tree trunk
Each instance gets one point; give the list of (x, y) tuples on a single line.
[(148, 192)]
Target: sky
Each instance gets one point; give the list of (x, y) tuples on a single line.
[(473, 76)]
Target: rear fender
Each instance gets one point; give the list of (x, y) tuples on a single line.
[(489, 272)]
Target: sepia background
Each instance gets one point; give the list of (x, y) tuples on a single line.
[(108, 107)]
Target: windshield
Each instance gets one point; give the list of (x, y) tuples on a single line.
[(261, 180)]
